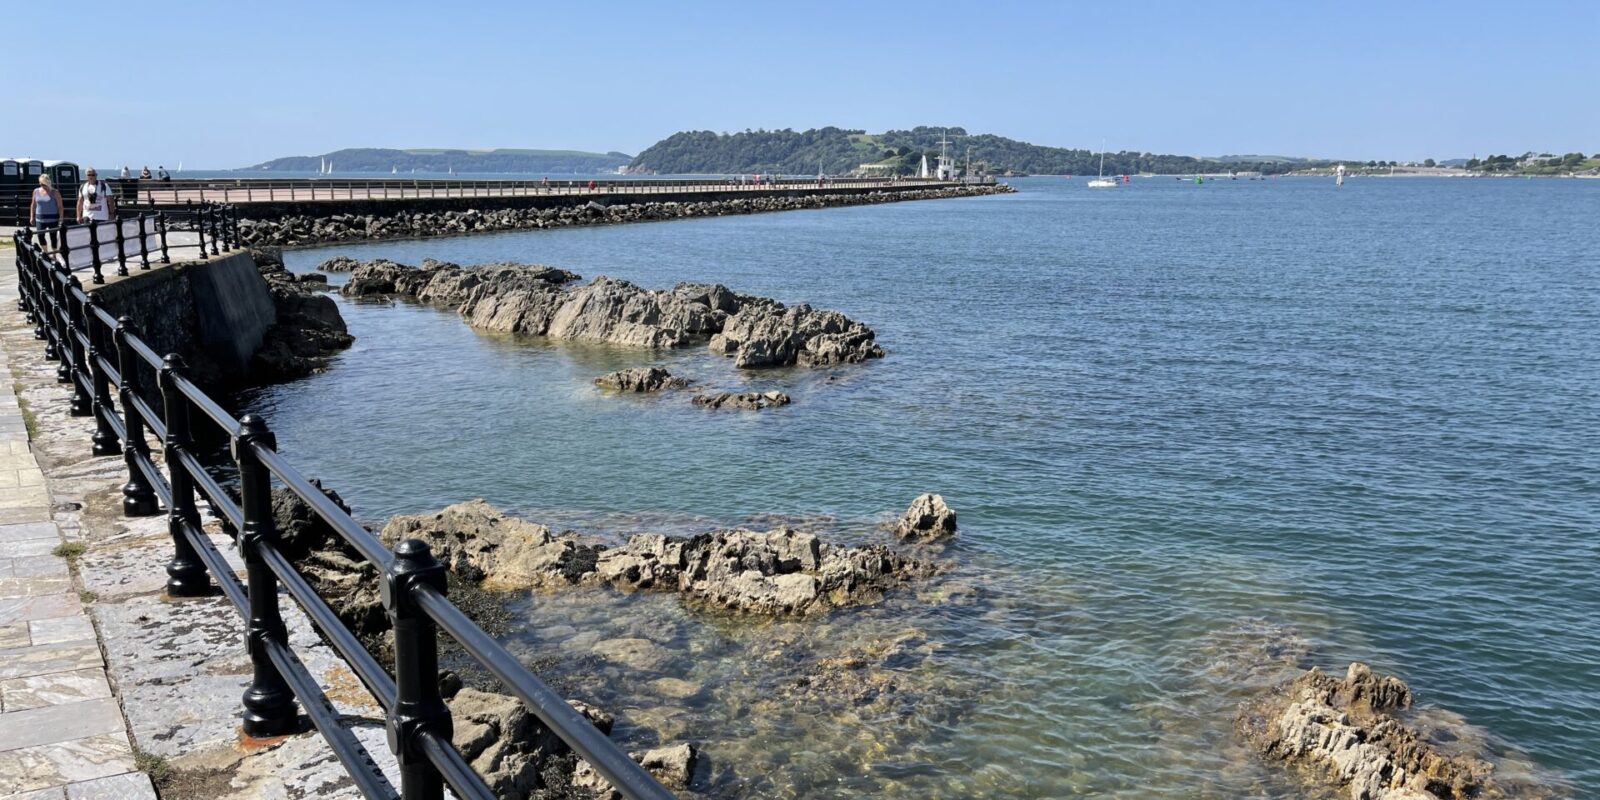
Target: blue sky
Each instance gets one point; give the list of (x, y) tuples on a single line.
[(220, 85)]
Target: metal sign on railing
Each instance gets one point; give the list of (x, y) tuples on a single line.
[(106, 362)]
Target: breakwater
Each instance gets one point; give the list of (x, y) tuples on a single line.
[(306, 224)]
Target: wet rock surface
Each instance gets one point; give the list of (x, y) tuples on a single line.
[(1347, 732), (536, 299), (928, 519), (641, 380), (742, 401), (778, 572), (309, 331), (304, 230)]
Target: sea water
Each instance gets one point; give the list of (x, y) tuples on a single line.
[(1198, 436)]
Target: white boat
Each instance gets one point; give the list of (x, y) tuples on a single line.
[(1102, 182)]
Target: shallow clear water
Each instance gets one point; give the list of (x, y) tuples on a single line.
[(1178, 423)]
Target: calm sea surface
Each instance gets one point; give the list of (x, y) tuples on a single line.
[(1194, 433)]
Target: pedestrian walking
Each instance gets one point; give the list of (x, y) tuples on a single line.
[(44, 212), (95, 200)]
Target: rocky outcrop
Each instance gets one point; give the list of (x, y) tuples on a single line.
[(535, 299), (304, 230), (338, 264), (927, 520), (641, 381), (309, 331), (778, 572), (339, 574), (1345, 730), (481, 544), (743, 401), (507, 744)]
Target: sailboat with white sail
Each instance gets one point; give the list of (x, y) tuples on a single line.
[(1102, 182)]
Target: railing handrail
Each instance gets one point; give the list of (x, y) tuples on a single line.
[(97, 351)]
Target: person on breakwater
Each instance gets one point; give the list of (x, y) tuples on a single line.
[(44, 212), (95, 200)]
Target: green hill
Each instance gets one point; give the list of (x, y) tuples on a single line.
[(421, 159), (840, 150)]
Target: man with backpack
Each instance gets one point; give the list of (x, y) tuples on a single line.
[(96, 201)]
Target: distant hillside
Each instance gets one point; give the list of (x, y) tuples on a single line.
[(370, 159), (838, 150)]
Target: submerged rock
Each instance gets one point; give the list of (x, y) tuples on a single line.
[(927, 520), (776, 572), (640, 381), (673, 766), (1345, 731), (743, 401)]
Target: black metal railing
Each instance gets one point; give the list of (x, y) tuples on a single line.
[(134, 393), (136, 239)]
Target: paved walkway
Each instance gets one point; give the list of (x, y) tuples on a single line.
[(62, 733)]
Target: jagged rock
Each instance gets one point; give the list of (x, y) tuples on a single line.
[(766, 336), (777, 572), (928, 519), (743, 401), (479, 543), (673, 766), (506, 743), (642, 380), (340, 575), (339, 264), (1345, 731), (535, 299), (309, 330)]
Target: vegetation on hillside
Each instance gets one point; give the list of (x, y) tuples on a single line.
[(372, 159), (839, 150)]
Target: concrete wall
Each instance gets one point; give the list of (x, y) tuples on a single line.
[(214, 313)]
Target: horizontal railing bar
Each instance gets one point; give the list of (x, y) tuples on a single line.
[(358, 763), (152, 420), (83, 381), (366, 668), (143, 350), (217, 566), (114, 419), (551, 709), (360, 538), (112, 373), (453, 767), (105, 317), (206, 405), (158, 482), (208, 486), (82, 339)]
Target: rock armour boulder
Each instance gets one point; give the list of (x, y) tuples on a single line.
[(744, 401)]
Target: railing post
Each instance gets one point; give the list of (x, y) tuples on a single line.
[(186, 573), (122, 253), (55, 344), (94, 250), (105, 437), (75, 356), (418, 706), (161, 225), (17, 238), (138, 498), (144, 243), (216, 228), (269, 708)]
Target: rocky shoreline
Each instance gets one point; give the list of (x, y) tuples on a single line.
[(303, 231)]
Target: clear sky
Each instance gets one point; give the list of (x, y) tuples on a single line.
[(227, 84)]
